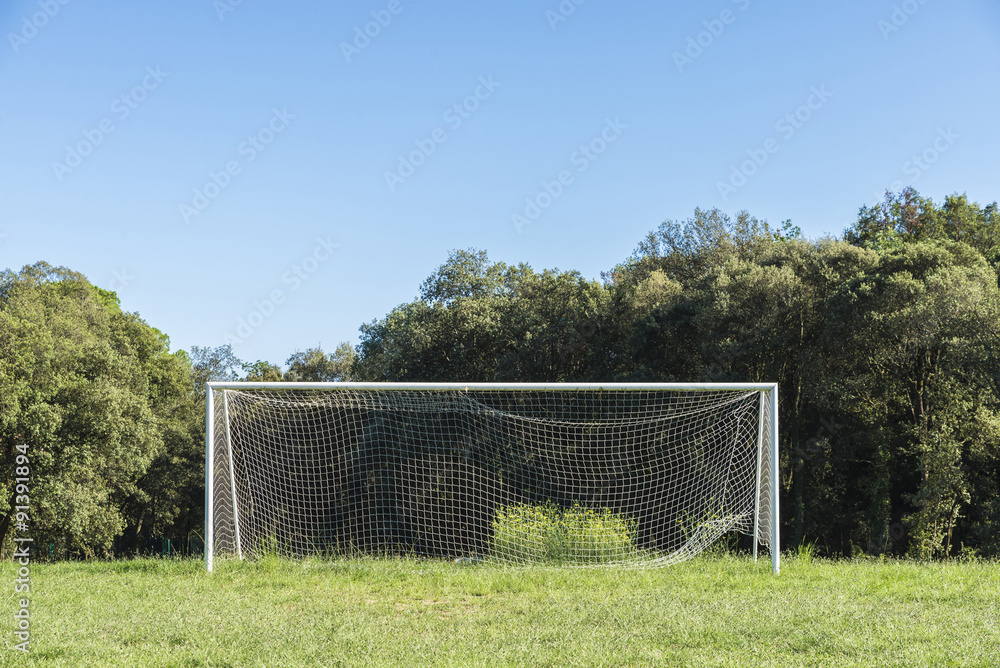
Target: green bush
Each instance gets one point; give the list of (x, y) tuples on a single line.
[(550, 533)]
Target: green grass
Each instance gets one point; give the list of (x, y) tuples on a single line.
[(712, 611)]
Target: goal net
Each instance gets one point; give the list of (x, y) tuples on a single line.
[(576, 474)]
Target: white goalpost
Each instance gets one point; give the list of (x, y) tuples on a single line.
[(580, 474)]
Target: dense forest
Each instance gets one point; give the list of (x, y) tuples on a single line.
[(884, 343)]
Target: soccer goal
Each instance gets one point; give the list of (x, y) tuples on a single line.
[(611, 474)]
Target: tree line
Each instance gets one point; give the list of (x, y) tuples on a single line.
[(883, 340), (111, 421)]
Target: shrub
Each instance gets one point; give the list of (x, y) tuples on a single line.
[(550, 533)]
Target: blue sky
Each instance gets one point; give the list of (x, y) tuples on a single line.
[(269, 174)]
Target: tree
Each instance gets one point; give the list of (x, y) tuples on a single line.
[(552, 328), (169, 496), (456, 329), (687, 252), (655, 293), (885, 346), (468, 274), (906, 217), (477, 321), (214, 365), (91, 392), (314, 365), (909, 357), (762, 320), (262, 372)]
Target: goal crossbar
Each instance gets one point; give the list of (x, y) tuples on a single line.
[(550, 387), (765, 484)]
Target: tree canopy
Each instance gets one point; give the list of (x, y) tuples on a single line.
[(884, 343), (95, 395)]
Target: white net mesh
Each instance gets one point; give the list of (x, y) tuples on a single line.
[(637, 477)]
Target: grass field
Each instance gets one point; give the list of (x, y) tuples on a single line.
[(712, 611)]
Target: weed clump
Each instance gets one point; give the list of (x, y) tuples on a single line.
[(554, 534)]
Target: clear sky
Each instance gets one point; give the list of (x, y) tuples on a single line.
[(271, 164)]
